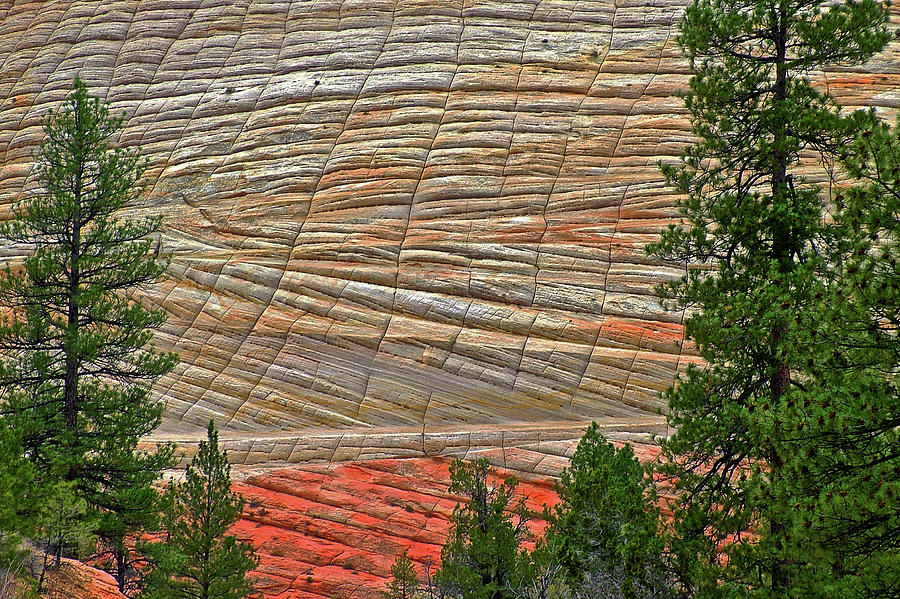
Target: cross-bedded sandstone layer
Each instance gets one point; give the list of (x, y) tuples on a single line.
[(333, 530), (390, 212)]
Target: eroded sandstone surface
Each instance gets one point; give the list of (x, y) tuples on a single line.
[(390, 212), (333, 530)]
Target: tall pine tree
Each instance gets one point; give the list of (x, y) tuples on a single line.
[(198, 560), (753, 230), (845, 473), (75, 357)]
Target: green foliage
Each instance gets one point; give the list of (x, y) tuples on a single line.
[(15, 479), (757, 224), (404, 582), (47, 511), (75, 361), (138, 513), (605, 530), (844, 476), (483, 558), (754, 233), (62, 526), (198, 560)]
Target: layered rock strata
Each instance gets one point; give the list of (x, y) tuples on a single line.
[(390, 212), (539, 448), (333, 530)]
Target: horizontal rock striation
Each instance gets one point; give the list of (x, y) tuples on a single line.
[(333, 530), (390, 212), (541, 449)]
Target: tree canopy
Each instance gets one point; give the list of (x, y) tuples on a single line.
[(756, 234)]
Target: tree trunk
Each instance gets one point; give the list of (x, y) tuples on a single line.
[(783, 250), (121, 574), (71, 374)]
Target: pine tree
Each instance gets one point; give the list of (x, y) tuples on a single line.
[(752, 231), (483, 558), (845, 476), (75, 361), (404, 582), (198, 560), (605, 530)]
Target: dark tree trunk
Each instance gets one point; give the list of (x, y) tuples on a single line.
[(71, 374), (121, 566), (783, 250)]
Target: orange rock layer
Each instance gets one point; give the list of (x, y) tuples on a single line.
[(333, 530)]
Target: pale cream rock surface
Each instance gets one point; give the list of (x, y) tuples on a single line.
[(390, 213)]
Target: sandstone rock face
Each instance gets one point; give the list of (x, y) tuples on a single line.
[(333, 530), (541, 448), (390, 212)]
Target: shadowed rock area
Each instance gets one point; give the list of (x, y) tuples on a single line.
[(390, 212)]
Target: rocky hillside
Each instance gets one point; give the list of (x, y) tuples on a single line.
[(390, 212), (75, 580)]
